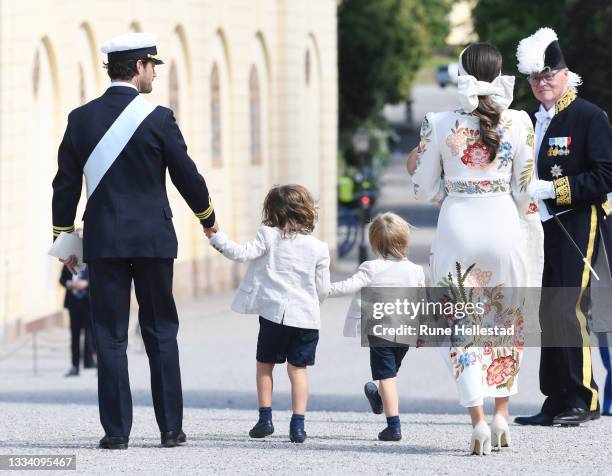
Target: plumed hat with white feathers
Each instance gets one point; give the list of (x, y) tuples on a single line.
[(541, 52)]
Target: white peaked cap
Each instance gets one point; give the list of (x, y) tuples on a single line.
[(129, 41)]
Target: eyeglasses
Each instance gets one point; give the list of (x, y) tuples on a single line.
[(547, 78)]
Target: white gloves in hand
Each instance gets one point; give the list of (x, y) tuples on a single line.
[(543, 189)]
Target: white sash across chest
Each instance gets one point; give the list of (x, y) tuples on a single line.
[(114, 140)]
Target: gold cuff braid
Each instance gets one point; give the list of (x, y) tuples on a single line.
[(206, 213), (563, 191), (58, 229)]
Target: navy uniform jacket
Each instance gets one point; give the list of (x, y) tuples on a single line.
[(128, 215), (578, 143)]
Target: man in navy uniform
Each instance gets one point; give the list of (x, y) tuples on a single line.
[(574, 171), (123, 145)]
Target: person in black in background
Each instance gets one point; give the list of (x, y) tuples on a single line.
[(79, 309)]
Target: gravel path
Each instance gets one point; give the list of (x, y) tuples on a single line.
[(48, 414)]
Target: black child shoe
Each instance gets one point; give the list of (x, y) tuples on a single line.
[(297, 435), (170, 439), (371, 392), (390, 434), (262, 429), (114, 442)]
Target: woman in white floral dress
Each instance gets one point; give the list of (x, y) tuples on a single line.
[(478, 161)]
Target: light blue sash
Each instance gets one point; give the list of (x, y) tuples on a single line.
[(115, 139)]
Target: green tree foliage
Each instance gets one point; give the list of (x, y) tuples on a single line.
[(589, 48), (381, 45), (584, 31)]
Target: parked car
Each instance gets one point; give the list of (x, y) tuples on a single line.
[(447, 74)]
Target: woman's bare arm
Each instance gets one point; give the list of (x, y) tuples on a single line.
[(411, 161)]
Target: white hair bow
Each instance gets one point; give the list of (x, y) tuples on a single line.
[(501, 90)]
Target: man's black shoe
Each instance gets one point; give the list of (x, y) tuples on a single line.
[(390, 434), (170, 439), (297, 436), (262, 429), (540, 419), (114, 442), (371, 392), (595, 415), (572, 417)]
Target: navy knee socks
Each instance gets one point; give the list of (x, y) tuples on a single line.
[(265, 414), (297, 423), (393, 422)]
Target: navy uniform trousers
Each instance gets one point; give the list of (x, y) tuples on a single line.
[(566, 375), (110, 289)]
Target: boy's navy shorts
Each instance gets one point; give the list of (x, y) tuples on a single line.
[(278, 343), (385, 361)]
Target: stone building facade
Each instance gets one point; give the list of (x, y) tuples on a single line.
[(253, 84)]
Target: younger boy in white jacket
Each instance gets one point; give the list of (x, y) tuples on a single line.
[(389, 237)]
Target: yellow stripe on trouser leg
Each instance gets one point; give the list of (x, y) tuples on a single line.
[(586, 349)]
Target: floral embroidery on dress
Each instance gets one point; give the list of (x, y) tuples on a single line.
[(533, 208), (476, 156), (464, 358), (478, 277), (467, 358), (505, 154), (477, 187), (526, 175), (530, 136), (505, 123), (500, 370), (466, 142), (457, 139), (497, 357), (426, 130), (487, 349)]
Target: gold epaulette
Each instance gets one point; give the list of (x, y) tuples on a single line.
[(66, 229), (206, 213), (563, 192)]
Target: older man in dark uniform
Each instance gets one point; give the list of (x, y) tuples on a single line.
[(574, 168), (123, 145)]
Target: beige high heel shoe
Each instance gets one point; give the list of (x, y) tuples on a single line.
[(481, 439), (500, 432)]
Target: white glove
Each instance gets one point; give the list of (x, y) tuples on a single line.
[(543, 189)]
